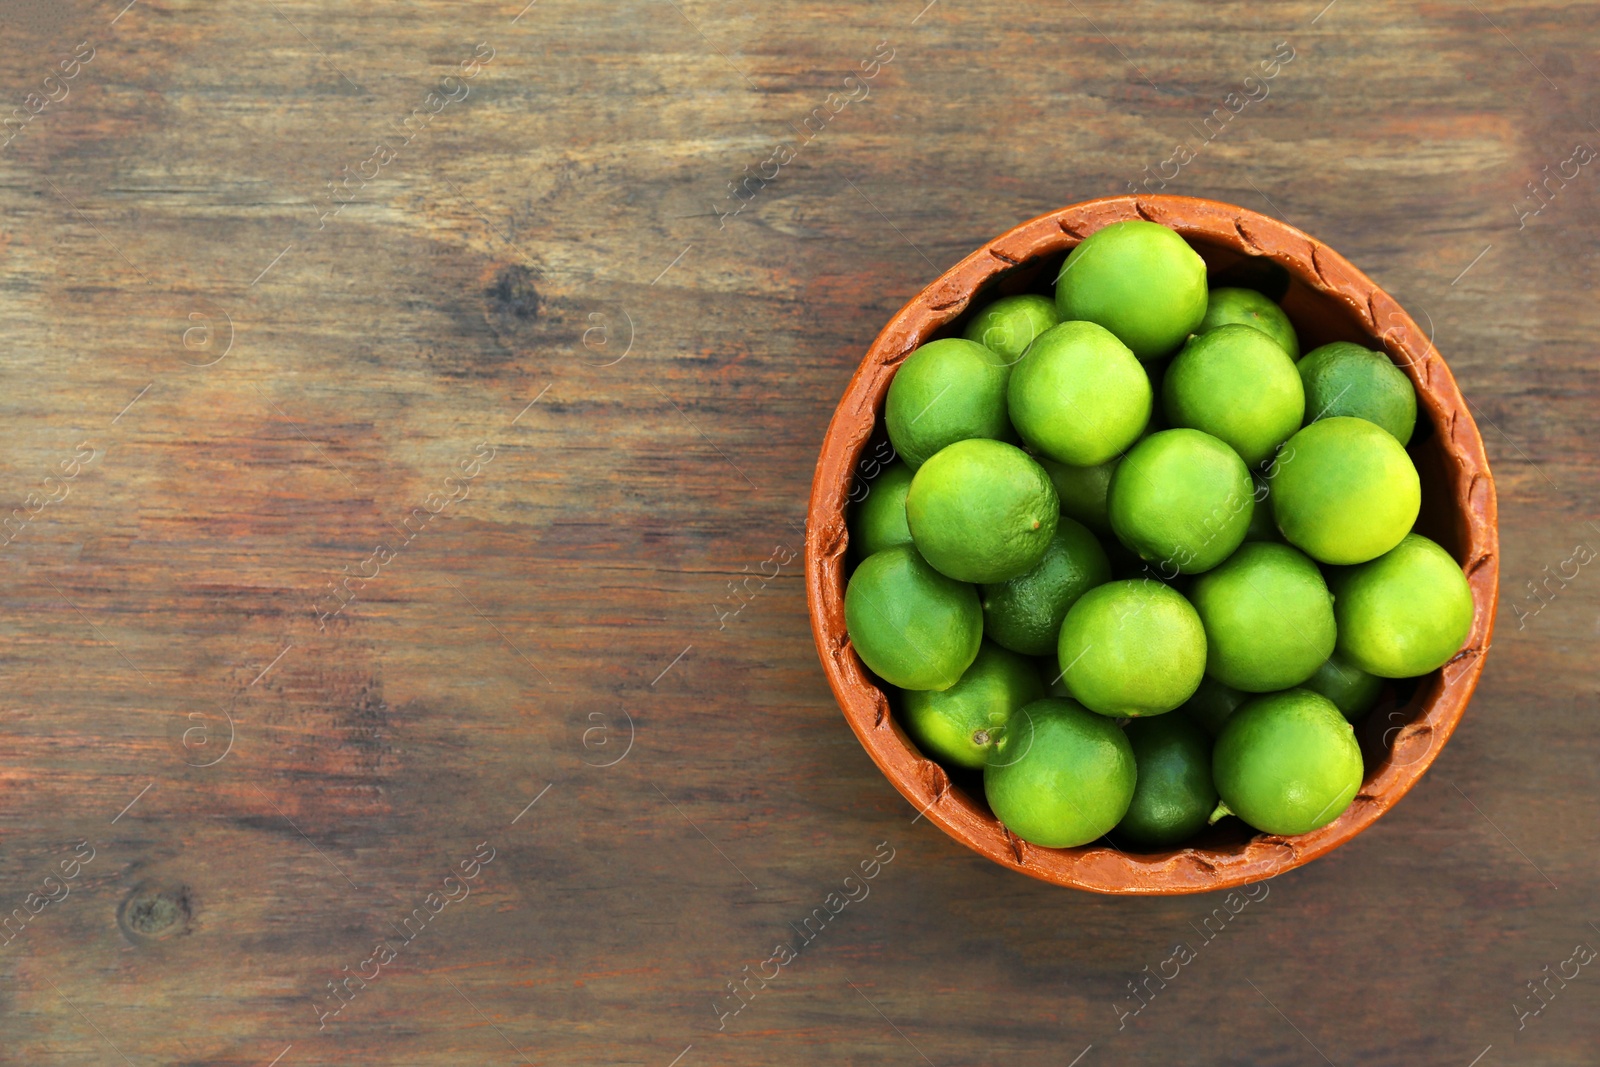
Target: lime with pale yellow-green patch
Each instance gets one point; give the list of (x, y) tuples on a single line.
[(1132, 648), (1182, 500), (878, 520), (1082, 491), (1025, 613), (1353, 691), (946, 391), (1059, 777), (1173, 795), (1009, 325), (1238, 385), (911, 625), (1405, 613), (1344, 491), (982, 511), (1250, 308), (961, 724), (1286, 763), (1345, 379), (1268, 617), (1138, 279), (1078, 395)]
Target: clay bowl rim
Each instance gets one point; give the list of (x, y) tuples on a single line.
[(1441, 697)]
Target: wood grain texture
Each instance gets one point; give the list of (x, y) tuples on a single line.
[(269, 392)]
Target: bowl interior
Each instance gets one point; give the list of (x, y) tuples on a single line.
[(1327, 300)]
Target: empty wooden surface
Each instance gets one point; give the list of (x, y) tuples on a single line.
[(226, 385)]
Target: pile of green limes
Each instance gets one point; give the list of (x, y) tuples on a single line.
[(1145, 482)]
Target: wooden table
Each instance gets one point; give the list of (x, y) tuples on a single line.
[(406, 407)]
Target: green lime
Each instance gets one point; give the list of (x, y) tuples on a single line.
[(1344, 491), (1261, 527), (1173, 795), (1132, 648), (1009, 325), (1139, 280), (1082, 491), (1182, 500), (1345, 379), (1268, 617), (1212, 704), (1025, 613), (1078, 396), (960, 724), (982, 511), (911, 625), (1353, 691), (946, 391), (1250, 308), (878, 520), (1287, 763), (1406, 612), (1059, 777), (1238, 385)]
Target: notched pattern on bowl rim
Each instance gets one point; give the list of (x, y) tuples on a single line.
[(1243, 226), (1462, 441), (1277, 841), (935, 780), (1465, 655), (880, 711), (1410, 730), (1316, 268), (1019, 847), (1373, 318), (833, 539), (950, 295), (1425, 370), (1250, 247), (894, 359)]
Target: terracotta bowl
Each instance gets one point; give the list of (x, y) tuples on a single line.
[(1328, 300)]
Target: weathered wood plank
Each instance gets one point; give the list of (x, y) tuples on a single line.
[(553, 238)]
